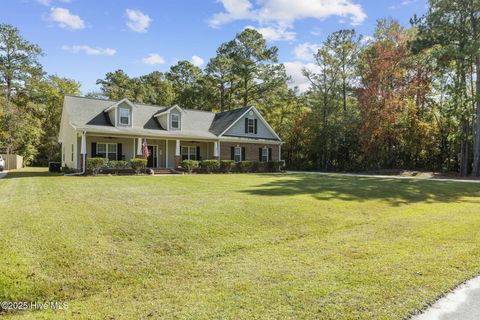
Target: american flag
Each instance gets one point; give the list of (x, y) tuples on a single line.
[(145, 149)]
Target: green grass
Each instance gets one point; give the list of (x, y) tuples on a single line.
[(234, 246)]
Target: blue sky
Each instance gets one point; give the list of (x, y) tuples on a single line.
[(84, 39)]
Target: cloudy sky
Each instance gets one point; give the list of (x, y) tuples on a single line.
[(84, 39)]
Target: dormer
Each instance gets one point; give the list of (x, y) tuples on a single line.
[(171, 118), (121, 113)]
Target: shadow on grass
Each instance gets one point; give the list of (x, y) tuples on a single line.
[(30, 173), (394, 191)]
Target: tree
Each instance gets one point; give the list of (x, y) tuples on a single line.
[(156, 89), (452, 29), (18, 63), (118, 85), (254, 65), (219, 68)]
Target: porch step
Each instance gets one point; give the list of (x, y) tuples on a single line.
[(165, 171)]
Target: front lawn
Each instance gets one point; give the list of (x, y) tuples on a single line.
[(234, 246)]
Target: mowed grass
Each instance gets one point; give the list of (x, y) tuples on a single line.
[(268, 246)]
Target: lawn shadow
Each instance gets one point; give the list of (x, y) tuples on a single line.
[(30, 173), (394, 191)]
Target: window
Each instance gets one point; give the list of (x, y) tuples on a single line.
[(124, 116), (264, 154), (189, 153), (107, 150), (175, 124), (251, 126), (238, 154)]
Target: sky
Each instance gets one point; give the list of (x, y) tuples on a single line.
[(84, 39)]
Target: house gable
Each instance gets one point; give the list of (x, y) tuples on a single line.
[(251, 124)]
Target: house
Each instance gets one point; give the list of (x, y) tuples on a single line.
[(116, 130)]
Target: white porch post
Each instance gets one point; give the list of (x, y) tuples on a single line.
[(166, 153), (139, 146), (216, 150), (279, 152), (177, 148), (83, 149)]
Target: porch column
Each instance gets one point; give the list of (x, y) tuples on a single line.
[(166, 153), (177, 153), (216, 151), (83, 150), (139, 147), (279, 152)]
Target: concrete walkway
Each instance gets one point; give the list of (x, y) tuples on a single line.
[(463, 303), (383, 176)]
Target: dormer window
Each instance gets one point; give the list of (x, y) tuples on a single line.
[(124, 116), (175, 121)]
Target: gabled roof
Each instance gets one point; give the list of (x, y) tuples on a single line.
[(158, 113), (89, 114), (223, 120)]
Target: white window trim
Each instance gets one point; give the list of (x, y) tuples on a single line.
[(251, 126), (189, 152), (265, 154), (171, 121), (106, 149), (120, 117), (239, 154)]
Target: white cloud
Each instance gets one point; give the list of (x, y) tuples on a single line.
[(275, 33), (137, 20), (305, 51), (89, 50), (65, 19), (282, 14), (316, 31), (295, 70), (153, 59), (49, 2), (197, 61)]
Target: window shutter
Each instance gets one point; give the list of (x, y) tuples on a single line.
[(269, 154), (259, 154), (119, 151), (243, 153), (232, 153), (255, 126), (94, 149), (198, 153), (246, 125)]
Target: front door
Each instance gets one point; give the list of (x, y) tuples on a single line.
[(152, 157)]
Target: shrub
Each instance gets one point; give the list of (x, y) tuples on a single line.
[(278, 165), (227, 165), (211, 165), (95, 164), (245, 166), (117, 165), (189, 165), (138, 164), (67, 170), (258, 166)]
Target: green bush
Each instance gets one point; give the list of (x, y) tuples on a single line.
[(259, 166), (95, 164), (275, 166), (245, 166), (211, 165), (189, 165), (227, 165), (117, 165), (138, 164), (67, 170)]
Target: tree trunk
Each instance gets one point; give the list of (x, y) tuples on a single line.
[(476, 148)]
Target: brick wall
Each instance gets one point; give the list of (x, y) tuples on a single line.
[(251, 150)]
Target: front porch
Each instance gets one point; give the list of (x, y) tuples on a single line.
[(163, 153)]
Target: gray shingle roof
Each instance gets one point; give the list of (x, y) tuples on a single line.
[(88, 114)]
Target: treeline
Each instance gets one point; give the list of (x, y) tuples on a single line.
[(404, 98)]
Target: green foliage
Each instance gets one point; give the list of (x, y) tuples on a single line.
[(189, 165), (118, 165), (227, 165), (211, 165), (138, 164), (96, 164), (244, 166)]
